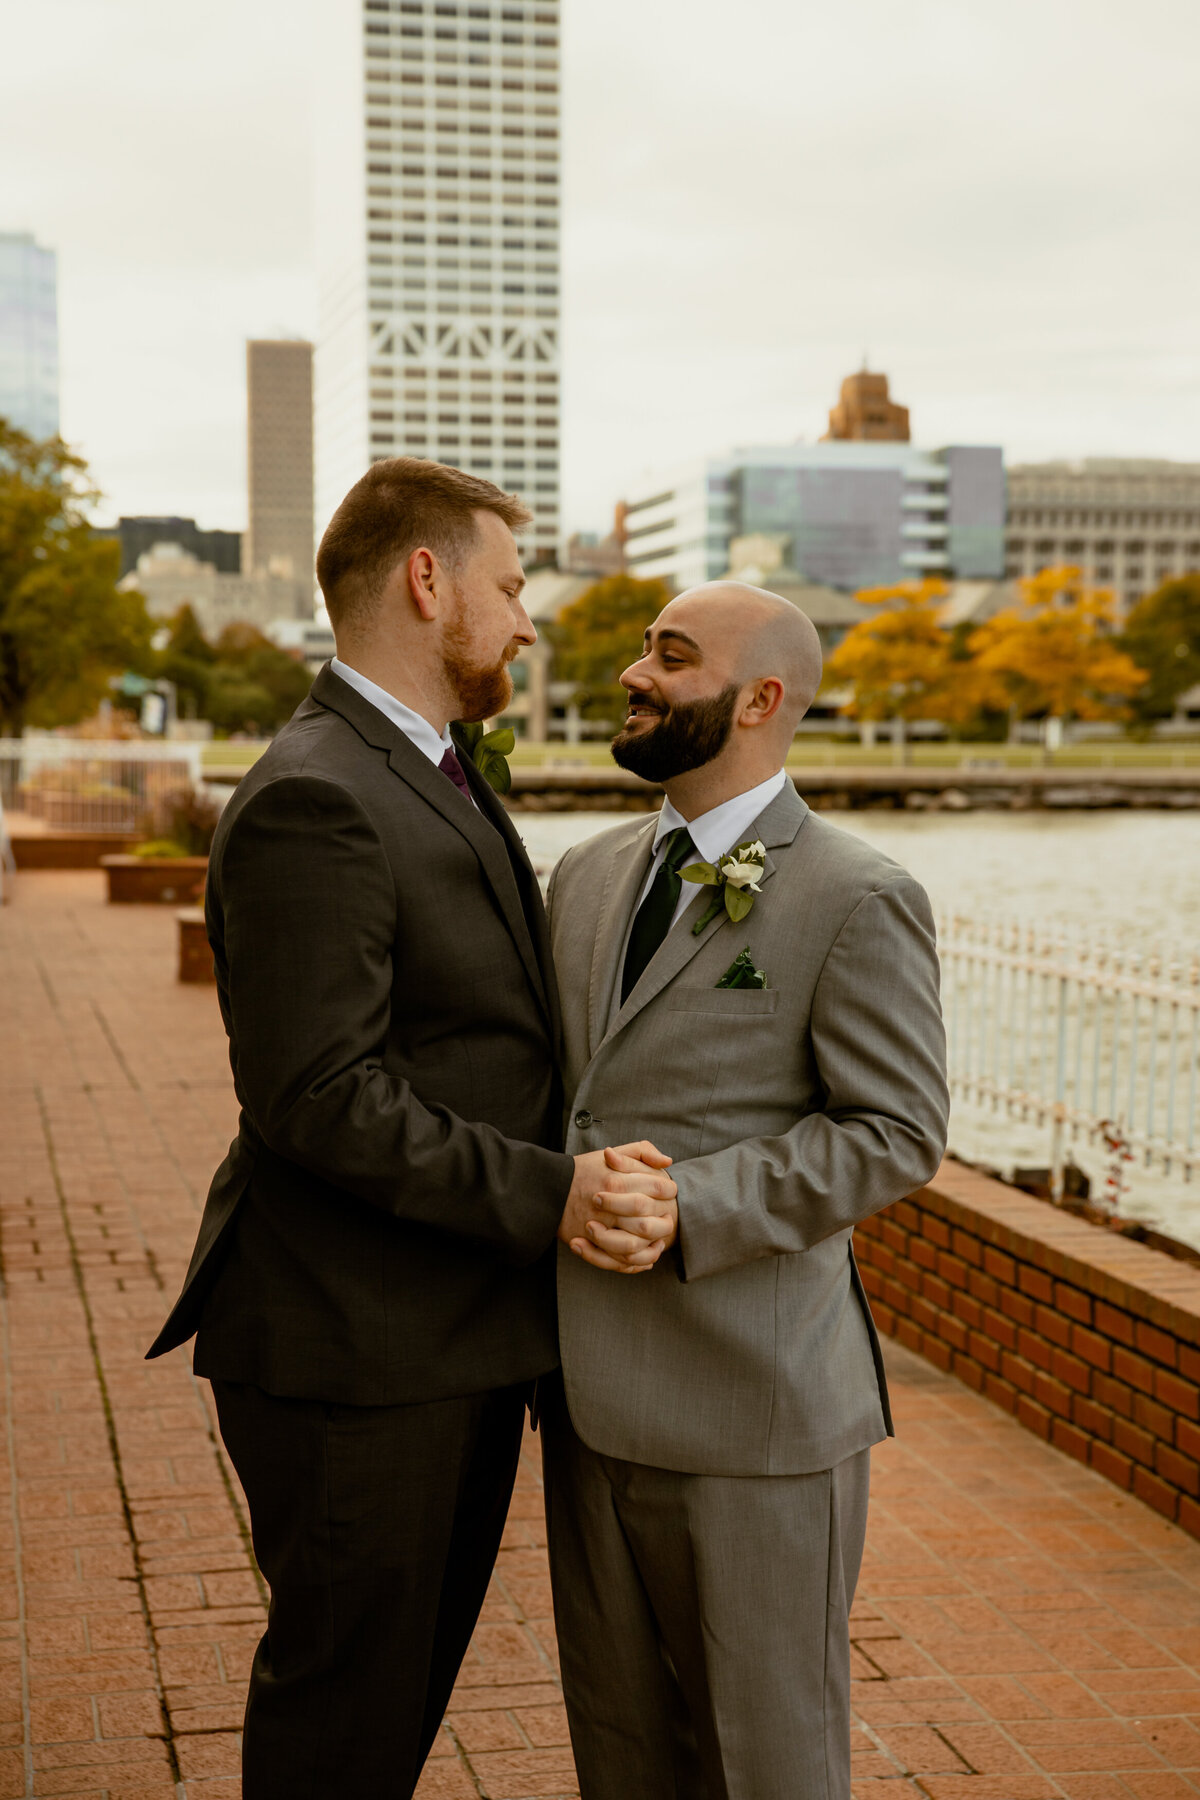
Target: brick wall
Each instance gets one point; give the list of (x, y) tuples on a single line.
[(1088, 1339)]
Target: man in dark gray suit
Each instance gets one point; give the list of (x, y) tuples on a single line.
[(775, 1029), (373, 1283)]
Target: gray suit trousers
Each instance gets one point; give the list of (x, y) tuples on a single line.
[(703, 1624)]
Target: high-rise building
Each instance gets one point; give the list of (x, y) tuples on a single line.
[(865, 412), (279, 460), (28, 335), (1129, 525), (438, 245), (851, 515), (221, 549)]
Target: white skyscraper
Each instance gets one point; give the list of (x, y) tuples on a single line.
[(438, 245), (28, 335)]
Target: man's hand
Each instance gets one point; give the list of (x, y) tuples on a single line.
[(621, 1213)]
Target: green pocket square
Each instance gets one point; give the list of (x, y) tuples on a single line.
[(742, 973)]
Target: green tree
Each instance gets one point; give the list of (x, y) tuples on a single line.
[(64, 628), (1162, 635), (187, 659), (601, 633), (254, 685)]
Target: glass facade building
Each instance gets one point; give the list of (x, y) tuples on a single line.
[(855, 514), (28, 335), (438, 220)]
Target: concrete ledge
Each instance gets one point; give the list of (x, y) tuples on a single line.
[(1089, 1340)]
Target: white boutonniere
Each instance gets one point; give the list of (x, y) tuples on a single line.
[(736, 876)]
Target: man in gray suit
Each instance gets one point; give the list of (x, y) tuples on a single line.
[(707, 1456)]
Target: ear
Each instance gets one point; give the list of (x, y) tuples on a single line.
[(765, 700), (423, 572)]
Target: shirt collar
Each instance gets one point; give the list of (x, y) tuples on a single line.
[(725, 826), (418, 730)]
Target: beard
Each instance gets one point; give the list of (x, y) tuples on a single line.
[(685, 737), (482, 691)]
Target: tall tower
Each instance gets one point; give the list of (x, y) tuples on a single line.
[(28, 335), (279, 462), (865, 412), (438, 220)]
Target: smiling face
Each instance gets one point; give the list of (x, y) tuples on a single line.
[(727, 672), (683, 694)]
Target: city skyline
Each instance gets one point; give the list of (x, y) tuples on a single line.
[(743, 221)]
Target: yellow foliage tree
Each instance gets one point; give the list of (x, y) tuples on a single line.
[(1054, 654), (904, 663)]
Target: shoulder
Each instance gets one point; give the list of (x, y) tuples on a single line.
[(842, 870), (847, 858), (294, 790), (596, 853)]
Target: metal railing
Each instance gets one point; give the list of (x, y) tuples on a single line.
[(1091, 1038), (76, 784)]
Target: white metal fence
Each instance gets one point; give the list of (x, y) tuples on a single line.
[(76, 784), (1085, 1037)]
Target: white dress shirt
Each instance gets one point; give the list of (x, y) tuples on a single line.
[(418, 730), (713, 833)]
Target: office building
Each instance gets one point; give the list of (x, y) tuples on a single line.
[(438, 245), (142, 532), (28, 335), (1129, 525), (865, 413), (854, 514), (170, 577), (279, 459)]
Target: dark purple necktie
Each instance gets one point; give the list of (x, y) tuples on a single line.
[(453, 770)]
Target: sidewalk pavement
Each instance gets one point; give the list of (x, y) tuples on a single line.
[(1023, 1630)]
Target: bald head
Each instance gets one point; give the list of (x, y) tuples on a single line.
[(765, 634)]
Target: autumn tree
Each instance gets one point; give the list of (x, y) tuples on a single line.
[(65, 630), (1162, 635), (1054, 654), (601, 633), (903, 663)]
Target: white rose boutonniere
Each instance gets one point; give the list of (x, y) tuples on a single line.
[(737, 877)]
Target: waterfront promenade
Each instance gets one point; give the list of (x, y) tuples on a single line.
[(1024, 1631)]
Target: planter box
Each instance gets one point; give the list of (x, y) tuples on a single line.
[(195, 952), (155, 880)]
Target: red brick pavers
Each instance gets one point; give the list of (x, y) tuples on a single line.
[(1024, 1630)]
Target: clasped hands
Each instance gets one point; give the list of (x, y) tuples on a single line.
[(621, 1212)]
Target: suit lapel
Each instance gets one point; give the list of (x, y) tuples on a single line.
[(481, 832), (519, 894), (775, 828), (623, 880)]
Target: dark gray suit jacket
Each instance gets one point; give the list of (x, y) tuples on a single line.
[(382, 1229)]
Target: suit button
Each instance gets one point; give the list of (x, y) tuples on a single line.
[(583, 1120)]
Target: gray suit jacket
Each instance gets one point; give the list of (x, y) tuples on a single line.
[(791, 1111)]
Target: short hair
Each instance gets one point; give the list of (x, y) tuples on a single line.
[(402, 504)]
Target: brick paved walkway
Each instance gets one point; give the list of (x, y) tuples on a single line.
[(1024, 1631)]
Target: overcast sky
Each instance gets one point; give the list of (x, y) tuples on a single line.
[(996, 200)]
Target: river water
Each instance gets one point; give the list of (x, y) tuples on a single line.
[(1133, 875)]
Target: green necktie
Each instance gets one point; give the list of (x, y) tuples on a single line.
[(654, 915)]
